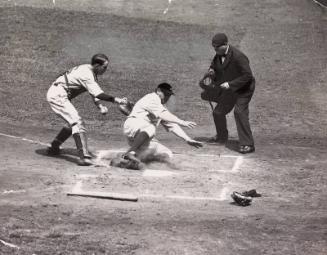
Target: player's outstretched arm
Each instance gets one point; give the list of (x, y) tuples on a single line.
[(109, 98), (102, 108), (169, 117), (179, 132)]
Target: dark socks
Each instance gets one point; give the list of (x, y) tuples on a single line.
[(63, 135)]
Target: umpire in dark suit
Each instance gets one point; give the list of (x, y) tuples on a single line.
[(232, 73)]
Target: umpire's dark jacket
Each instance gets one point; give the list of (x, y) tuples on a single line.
[(236, 71)]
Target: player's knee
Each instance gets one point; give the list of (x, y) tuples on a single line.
[(67, 129), (218, 113), (166, 154), (239, 111), (169, 155), (150, 130), (78, 127)]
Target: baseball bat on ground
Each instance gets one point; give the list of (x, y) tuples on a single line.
[(104, 195)]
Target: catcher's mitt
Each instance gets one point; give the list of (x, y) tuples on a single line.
[(211, 92), (126, 108), (207, 81), (241, 199)]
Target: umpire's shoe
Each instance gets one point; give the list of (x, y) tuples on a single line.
[(244, 149)]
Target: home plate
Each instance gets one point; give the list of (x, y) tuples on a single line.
[(157, 173)]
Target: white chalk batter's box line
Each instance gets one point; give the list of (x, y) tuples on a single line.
[(78, 191), (78, 186), (223, 195)]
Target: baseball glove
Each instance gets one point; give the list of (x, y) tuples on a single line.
[(126, 108), (241, 199), (211, 92), (207, 81)]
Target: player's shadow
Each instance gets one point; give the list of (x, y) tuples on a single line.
[(67, 154), (203, 139), (236, 204), (232, 145)]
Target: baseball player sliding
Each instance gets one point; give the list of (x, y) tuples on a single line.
[(68, 86), (140, 128)]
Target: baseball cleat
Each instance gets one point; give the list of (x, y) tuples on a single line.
[(131, 156), (90, 155), (133, 162), (53, 151), (134, 165), (84, 162), (126, 163)]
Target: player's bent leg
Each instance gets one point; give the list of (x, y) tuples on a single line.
[(241, 114), (156, 152), (80, 138), (83, 161), (61, 105), (62, 136), (140, 140), (139, 134), (87, 153)]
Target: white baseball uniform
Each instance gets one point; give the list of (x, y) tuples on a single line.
[(69, 85), (145, 118)]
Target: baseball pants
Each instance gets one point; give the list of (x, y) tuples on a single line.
[(153, 149), (241, 115), (61, 105)]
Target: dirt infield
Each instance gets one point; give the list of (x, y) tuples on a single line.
[(183, 207)]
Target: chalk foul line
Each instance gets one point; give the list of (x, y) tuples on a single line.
[(9, 244), (25, 139)]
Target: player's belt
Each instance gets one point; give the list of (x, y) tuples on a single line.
[(69, 94)]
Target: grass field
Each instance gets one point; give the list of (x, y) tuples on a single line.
[(184, 208)]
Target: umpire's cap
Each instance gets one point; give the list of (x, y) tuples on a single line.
[(219, 39), (166, 88)]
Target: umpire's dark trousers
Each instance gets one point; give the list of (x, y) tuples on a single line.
[(240, 103)]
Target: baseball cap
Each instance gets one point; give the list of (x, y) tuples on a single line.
[(219, 39), (166, 88)]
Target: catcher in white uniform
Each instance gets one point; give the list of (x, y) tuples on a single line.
[(140, 127), (68, 86)]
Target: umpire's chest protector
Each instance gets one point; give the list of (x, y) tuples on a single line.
[(235, 70), (227, 71)]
